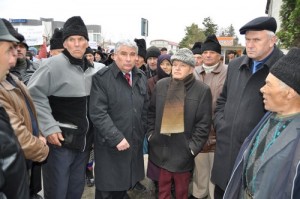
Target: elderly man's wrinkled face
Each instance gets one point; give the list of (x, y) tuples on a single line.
[(8, 56), (274, 94), (76, 46), (210, 58), (125, 58), (181, 70)]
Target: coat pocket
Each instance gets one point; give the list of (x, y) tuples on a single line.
[(73, 137)]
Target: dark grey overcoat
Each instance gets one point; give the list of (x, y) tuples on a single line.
[(118, 111)]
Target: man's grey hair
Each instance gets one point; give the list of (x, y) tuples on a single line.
[(126, 42), (270, 33)]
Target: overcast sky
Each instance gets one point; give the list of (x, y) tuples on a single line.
[(122, 18)]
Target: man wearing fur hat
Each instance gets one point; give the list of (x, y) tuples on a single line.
[(56, 42), (60, 89), (213, 73), (196, 49), (268, 162), (152, 55), (179, 120), (240, 105), (141, 61)]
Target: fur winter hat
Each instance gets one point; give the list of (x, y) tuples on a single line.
[(56, 42), (152, 51), (75, 26), (141, 43), (287, 69), (196, 49), (211, 43), (185, 55)]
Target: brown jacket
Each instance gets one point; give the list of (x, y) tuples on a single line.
[(215, 80), (12, 99)]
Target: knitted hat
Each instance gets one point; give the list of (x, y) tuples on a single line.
[(160, 72), (141, 43), (56, 41), (287, 69), (260, 23), (5, 35), (196, 49), (152, 51), (14, 33), (75, 26), (211, 43), (185, 55)]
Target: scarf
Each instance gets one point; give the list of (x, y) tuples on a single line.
[(173, 113), (83, 63)]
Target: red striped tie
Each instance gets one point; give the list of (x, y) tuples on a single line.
[(127, 77)]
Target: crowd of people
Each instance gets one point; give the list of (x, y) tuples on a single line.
[(79, 116)]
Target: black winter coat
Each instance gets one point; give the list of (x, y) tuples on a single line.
[(173, 152), (118, 111), (13, 172), (239, 108)]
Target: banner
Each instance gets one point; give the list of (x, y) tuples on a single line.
[(33, 34)]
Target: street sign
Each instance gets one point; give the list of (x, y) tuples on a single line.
[(144, 27)]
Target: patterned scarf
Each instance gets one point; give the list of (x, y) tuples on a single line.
[(173, 113)]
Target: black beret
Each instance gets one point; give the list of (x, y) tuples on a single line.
[(141, 43), (56, 41), (211, 43), (260, 23), (152, 51), (196, 49), (287, 69), (75, 26)]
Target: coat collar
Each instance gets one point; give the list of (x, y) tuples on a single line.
[(281, 142), (136, 73), (7, 85), (216, 70)]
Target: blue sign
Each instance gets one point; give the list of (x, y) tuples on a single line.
[(18, 20)]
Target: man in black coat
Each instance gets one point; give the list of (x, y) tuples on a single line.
[(240, 105), (118, 110)]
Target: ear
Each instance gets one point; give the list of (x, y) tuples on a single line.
[(292, 93)]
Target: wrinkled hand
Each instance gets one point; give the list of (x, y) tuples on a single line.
[(55, 138), (123, 145), (43, 139)]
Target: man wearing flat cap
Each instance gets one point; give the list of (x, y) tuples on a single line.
[(268, 162), (13, 171), (60, 89), (240, 105)]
